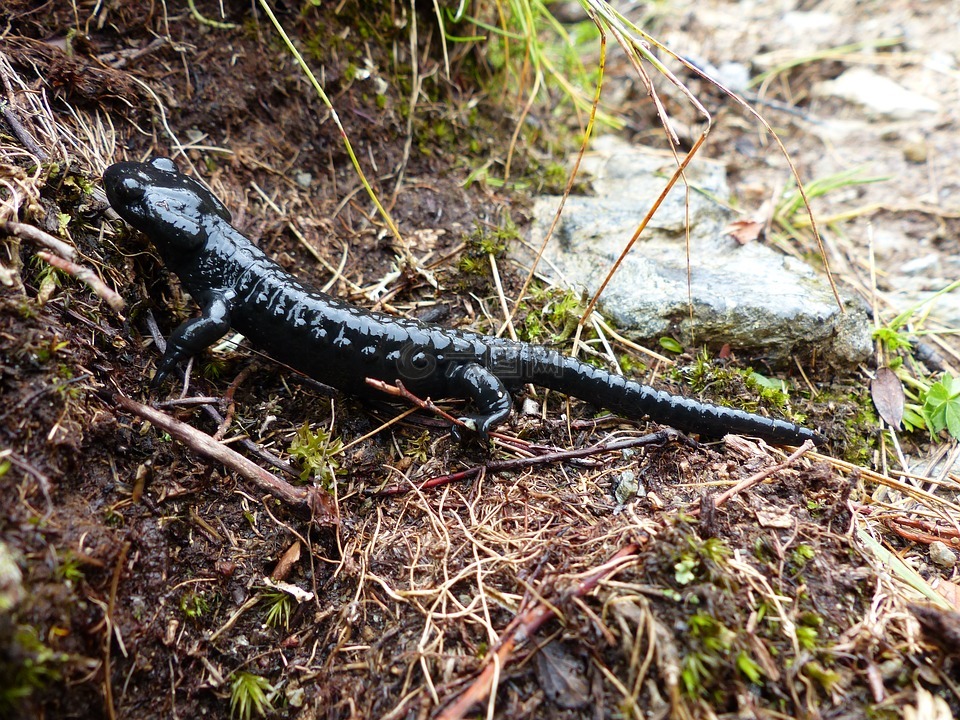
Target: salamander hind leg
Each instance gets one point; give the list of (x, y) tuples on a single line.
[(194, 335), (487, 392)]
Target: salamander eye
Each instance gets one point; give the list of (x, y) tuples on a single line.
[(129, 190)]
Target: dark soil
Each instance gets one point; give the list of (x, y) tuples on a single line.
[(149, 571)]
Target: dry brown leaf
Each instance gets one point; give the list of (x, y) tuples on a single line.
[(949, 591), (745, 231), (887, 393), (772, 519), (286, 563), (562, 677)]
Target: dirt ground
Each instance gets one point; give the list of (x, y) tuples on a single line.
[(575, 567)]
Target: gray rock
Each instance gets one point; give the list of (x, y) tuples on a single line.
[(749, 296), (879, 96), (942, 555), (627, 487)]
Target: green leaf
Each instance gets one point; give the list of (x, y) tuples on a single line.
[(684, 570), (768, 383), (668, 343), (750, 669), (941, 406), (952, 412)]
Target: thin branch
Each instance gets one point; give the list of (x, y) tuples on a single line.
[(85, 275), (38, 236), (400, 391), (759, 477), (308, 499)]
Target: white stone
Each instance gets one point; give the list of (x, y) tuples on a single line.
[(880, 96), (942, 555)]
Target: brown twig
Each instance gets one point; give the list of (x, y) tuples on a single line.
[(303, 498), (231, 405), (85, 275), (212, 412), (21, 132), (39, 237), (400, 391), (109, 629), (759, 477), (523, 628), (926, 532), (661, 436)]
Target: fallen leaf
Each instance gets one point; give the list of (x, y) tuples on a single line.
[(286, 563), (887, 393), (561, 676), (745, 231), (779, 520), (950, 592)]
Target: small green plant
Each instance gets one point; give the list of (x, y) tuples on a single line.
[(194, 605), (934, 405), (703, 557), (249, 693), (828, 679), (214, 368), (483, 242), (279, 606), (714, 640), (318, 454), (807, 636), (27, 666), (749, 667), (46, 352), (892, 339), (69, 568), (419, 447), (685, 574), (802, 554), (941, 406), (724, 380), (695, 671)]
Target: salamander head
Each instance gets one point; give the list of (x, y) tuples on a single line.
[(173, 210)]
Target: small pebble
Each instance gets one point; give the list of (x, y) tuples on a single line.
[(915, 151), (626, 487), (942, 555), (303, 179), (531, 407)]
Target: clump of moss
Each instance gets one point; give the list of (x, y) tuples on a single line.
[(474, 271)]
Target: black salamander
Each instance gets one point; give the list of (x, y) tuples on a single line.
[(237, 285)]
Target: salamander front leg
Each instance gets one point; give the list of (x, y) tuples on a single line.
[(493, 402), (194, 335)]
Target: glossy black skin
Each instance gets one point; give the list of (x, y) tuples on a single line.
[(237, 285)]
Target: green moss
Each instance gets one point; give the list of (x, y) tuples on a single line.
[(319, 454), (194, 605), (484, 242), (27, 666)]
